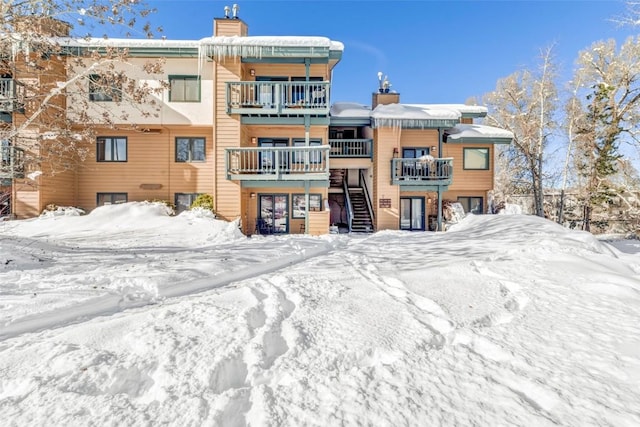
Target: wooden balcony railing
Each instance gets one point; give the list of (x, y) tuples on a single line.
[(278, 163), (11, 162), (11, 95), (422, 172), (351, 148), (289, 98)]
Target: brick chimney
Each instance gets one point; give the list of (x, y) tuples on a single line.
[(231, 24)]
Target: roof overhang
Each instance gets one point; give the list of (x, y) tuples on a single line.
[(413, 123), (477, 134)]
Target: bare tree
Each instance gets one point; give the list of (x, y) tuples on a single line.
[(606, 113), (525, 103), (53, 75), (631, 16)]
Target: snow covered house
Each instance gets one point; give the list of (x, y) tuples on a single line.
[(249, 120)]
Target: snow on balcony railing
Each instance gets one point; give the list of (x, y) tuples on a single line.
[(412, 171)]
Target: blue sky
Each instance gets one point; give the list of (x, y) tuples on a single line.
[(432, 51)]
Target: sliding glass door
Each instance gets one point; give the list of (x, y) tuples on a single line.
[(412, 213)]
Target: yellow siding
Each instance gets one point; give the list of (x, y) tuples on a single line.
[(468, 180)]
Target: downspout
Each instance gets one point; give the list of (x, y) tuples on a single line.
[(439, 217)]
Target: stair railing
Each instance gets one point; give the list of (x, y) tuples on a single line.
[(347, 203), (367, 197)]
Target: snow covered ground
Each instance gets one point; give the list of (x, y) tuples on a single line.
[(129, 317)]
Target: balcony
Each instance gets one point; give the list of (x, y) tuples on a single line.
[(11, 95), (422, 175), (351, 148), (278, 163), (278, 98), (11, 162)]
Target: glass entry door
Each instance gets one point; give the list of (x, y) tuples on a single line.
[(268, 157), (273, 213), (412, 213)]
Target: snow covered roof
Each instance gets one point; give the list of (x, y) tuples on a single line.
[(269, 41), (350, 110), (220, 46), (127, 43), (478, 133), (464, 110), (270, 46), (414, 116)]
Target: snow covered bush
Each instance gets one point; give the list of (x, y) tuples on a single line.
[(53, 210), (167, 203), (204, 201)]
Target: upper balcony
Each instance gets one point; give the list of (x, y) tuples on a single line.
[(351, 148), (261, 98), (11, 162), (11, 95), (278, 163), (422, 174)]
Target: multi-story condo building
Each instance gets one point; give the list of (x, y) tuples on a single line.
[(249, 120)]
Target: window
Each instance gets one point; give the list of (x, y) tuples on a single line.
[(476, 158), (111, 198), (298, 207), (190, 149), (184, 201), (102, 90), (111, 149), (314, 157), (184, 88), (472, 204)]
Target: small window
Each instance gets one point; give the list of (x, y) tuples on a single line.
[(472, 204), (102, 90), (184, 201), (111, 149), (298, 207), (111, 198), (184, 88), (476, 158), (190, 149)]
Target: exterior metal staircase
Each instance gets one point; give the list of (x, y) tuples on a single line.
[(362, 221)]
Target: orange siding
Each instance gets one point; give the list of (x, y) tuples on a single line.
[(227, 135), (150, 162), (386, 140), (468, 180), (27, 201), (59, 189), (318, 224), (286, 70)]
